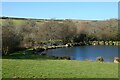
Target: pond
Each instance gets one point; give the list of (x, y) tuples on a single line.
[(86, 52)]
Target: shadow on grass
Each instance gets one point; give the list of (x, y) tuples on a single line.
[(27, 55)]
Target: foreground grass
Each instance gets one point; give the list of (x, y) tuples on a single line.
[(57, 69), (18, 65)]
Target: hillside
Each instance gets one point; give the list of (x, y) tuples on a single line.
[(27, 33), (102, 29)]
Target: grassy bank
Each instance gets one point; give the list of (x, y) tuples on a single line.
[(28, 54), (19, 65), (57, 69)]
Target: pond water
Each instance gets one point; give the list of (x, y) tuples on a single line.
[(86, 52)]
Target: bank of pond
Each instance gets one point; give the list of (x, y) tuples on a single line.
[(101, 51)]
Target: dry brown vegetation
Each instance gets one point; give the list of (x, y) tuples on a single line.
[(25, 33)]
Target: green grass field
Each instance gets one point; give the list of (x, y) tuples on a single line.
[(43, 67)]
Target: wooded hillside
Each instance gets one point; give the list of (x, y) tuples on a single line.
[(24, 33)]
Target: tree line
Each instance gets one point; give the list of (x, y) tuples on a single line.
[(28, 33)]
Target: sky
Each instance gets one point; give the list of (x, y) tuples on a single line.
[(61, 10)]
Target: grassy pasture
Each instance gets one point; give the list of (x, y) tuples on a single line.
[(18, 65)]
